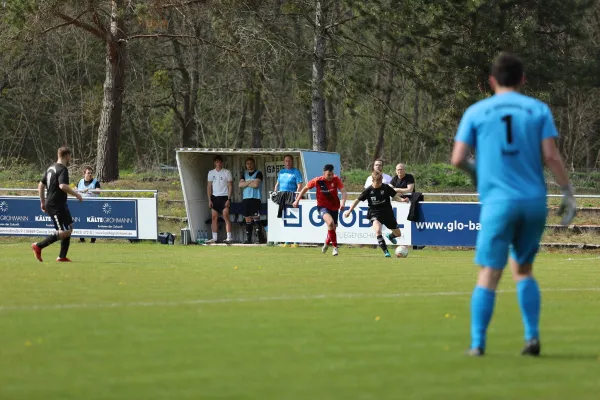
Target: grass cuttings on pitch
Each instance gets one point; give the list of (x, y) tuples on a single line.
[(154, 322)]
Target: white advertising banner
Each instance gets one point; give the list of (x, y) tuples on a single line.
[(305, 225)]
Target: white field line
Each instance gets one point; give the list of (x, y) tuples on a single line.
[(583, 259), (87, 306)]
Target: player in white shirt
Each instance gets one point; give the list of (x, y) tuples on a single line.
[(219, 189), (378, 166)]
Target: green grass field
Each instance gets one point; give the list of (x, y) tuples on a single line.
[(147, 321)]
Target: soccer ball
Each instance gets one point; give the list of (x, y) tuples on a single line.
[(401, 251)]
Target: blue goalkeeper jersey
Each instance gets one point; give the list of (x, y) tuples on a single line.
[(507, 131)]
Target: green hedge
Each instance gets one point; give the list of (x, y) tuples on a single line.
[(432, 175), (444, 176)]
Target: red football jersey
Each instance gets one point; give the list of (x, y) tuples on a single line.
[(327, 191)]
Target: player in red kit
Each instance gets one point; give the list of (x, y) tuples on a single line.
[(328, 202)]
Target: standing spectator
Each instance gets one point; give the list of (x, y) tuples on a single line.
[(328, 203), (56, 180), (289, 180), (219, 189), (378, 166), (86, 187), (251, 183), (403, 183)]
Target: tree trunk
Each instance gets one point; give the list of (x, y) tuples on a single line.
[(416, 108), (189, 90), (377, 153), (257, 110), (239, 139), (319, 134), (310, 134), (135, 140), (331, 126), (107, 159)]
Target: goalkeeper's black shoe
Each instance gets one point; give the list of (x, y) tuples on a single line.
[(475, 352), (532, 348)]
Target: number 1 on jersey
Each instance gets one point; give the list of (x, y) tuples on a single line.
[(508, 120)]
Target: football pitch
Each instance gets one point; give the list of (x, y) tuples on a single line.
[(148, 321)]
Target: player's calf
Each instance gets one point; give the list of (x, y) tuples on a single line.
[(248, 232), (382, 244)]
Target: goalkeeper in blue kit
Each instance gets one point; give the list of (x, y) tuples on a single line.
[(513, 135)]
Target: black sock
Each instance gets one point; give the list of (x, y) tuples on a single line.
[(64, 247), (258, 231), (382, 243), (392, 235), (249, 231), (48, 241)]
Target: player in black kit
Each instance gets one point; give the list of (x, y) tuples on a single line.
[(56, 180), (380, 212)]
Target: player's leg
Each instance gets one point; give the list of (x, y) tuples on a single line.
[(214, 223), (39, 246), (332, 230), (259, 237), (380, 240), (522, 255), (256, 221), (248, 219), (248, 230), (227, 225), (492, 253), (330, 223), (66, 225), (322, 213), (390, 222)]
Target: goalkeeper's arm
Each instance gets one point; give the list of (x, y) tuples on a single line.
[(553, 160), (460, 159)]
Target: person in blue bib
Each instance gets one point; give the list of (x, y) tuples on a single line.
[(87, 186), (251, 195), (513, 135), (289, 179)]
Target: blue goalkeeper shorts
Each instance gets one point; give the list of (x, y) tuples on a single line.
[(515, 226)]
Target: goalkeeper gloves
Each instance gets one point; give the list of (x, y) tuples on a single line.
[(568, 207)]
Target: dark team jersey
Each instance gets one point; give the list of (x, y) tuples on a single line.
[(56, 175), (378, 199)]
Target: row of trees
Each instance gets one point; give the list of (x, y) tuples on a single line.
[(124, 82)]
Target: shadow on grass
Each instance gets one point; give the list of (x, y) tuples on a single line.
[(570, 356)]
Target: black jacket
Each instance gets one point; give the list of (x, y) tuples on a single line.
[(415, 198), (284, 199)]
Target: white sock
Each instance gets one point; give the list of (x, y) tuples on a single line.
[(228, 235), (215, 236)]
